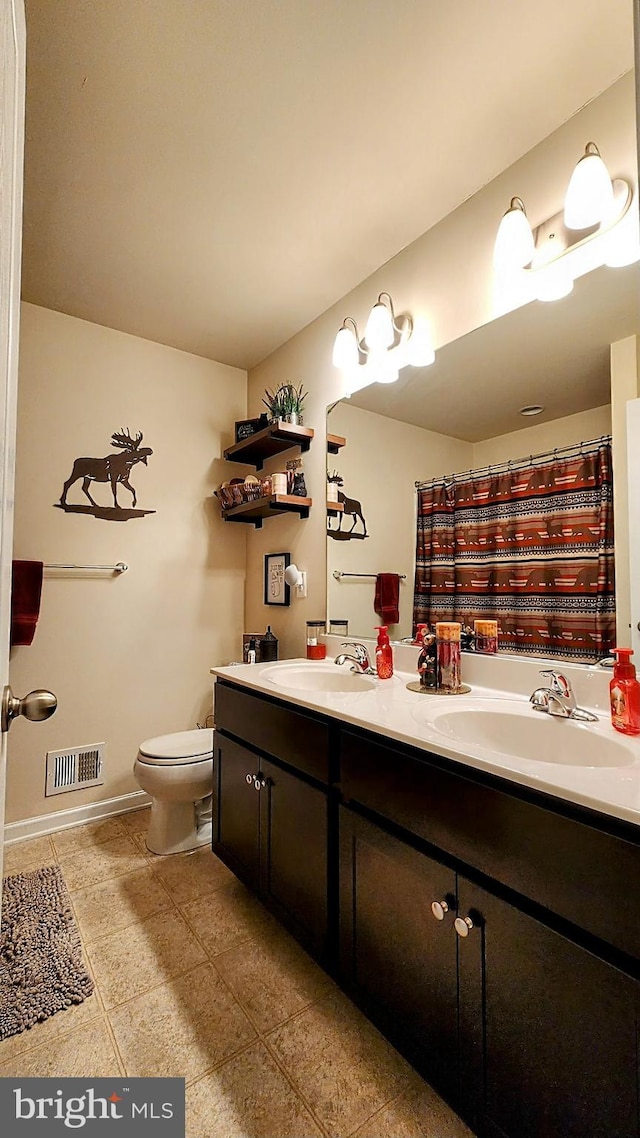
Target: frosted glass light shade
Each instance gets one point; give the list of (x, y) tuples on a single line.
[(382, 367), (418, 350), (379, 331), (345, 350), (514, 246), (553, 282), (589, 197)]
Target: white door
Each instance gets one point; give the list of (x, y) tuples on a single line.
[(633, 463), (12, 67)]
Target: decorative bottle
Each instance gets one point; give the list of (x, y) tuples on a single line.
[(624, 691), (384, 653)]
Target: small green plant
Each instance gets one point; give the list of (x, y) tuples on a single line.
[(286, 401)]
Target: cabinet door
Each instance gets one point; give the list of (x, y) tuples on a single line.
[(238, 810), (399, 960), (556, 1026), (293, 855)]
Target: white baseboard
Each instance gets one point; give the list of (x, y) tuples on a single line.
[(76, 816)]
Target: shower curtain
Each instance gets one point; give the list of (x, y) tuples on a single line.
[(529, 543)]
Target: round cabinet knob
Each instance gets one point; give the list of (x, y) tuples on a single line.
[(439, 909), (248, 778), (37, 706), (463, 925)]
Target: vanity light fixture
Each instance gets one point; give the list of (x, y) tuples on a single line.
[(585, 235), (589, 198), (390, 343)]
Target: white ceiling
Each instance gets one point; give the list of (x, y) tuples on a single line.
[(478, 384), (213, 174)]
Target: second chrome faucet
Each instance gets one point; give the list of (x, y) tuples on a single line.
[(558, 699)]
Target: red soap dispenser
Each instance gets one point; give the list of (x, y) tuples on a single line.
[(624, 692), (384, 653)]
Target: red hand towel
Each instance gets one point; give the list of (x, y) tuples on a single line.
[(387, 597), (26, 589)]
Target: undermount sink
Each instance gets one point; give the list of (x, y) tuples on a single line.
[(513, 729), (318, 677)]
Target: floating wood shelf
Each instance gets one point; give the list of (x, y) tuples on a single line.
[(255, 512), (335, 507), (334, 442), (274, 439)]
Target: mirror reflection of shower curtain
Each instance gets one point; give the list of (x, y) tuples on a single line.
[(529, 543)]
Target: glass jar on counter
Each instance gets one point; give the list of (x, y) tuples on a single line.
[(448, 655), (338, 628), (316, 650)]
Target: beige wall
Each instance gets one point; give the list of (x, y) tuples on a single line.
[(446, 277), (540, 437), (380, 464), (128, 657)]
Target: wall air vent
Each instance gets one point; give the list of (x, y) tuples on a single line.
[(74, 768)]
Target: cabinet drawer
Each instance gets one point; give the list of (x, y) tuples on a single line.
[(295, 738), (565, 864)]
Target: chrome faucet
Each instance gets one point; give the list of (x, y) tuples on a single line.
[(360, 661), (559, 699)]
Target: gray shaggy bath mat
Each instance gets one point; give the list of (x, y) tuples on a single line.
[(41, 969)]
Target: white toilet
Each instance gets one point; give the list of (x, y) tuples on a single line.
[(177, 772)]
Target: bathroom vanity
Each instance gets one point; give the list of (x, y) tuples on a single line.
[(483, 911)]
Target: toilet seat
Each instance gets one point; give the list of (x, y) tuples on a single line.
[(177, 749)]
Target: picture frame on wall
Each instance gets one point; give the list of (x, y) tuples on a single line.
[(276, 590)]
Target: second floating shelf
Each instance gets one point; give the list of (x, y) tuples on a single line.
[(255, 512)]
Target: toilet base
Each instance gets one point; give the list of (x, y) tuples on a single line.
[(174, 828)]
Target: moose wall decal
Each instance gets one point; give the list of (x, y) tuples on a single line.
[(352, 507), (113, 468)]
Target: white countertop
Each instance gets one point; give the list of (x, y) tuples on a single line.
[(390, 710)]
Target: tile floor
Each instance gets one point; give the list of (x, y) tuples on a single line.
[(194, 978)]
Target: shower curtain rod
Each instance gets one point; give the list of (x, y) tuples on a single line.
[(516, 463)]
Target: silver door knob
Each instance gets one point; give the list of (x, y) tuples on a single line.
[(258, 782), (439, 909), (36, 706), (463, 925), (248, 778)]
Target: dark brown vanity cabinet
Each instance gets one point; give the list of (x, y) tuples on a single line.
[(271, 822), (548, 1031), (394, 954), (526, 1018)]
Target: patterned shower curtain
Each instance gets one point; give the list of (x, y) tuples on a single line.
[(530, 546)]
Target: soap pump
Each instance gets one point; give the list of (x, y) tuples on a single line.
[(624, 691), (384, 653)]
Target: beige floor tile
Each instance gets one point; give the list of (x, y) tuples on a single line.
[(80, 837), (63, 1022), (183, 1029), (191, 875), (23, 856), (132, 961), (137, 821), (247, 1098), (86, 867), (122, 901), (289, 979), (86, 1053), (227, 917), (420, 1113), (340, 1063)]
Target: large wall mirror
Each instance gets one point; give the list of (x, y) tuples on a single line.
[(465, 413)]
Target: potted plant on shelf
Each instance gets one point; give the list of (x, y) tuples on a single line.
[(286, 403)]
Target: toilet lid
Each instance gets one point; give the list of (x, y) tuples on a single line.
[(178, 747)]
